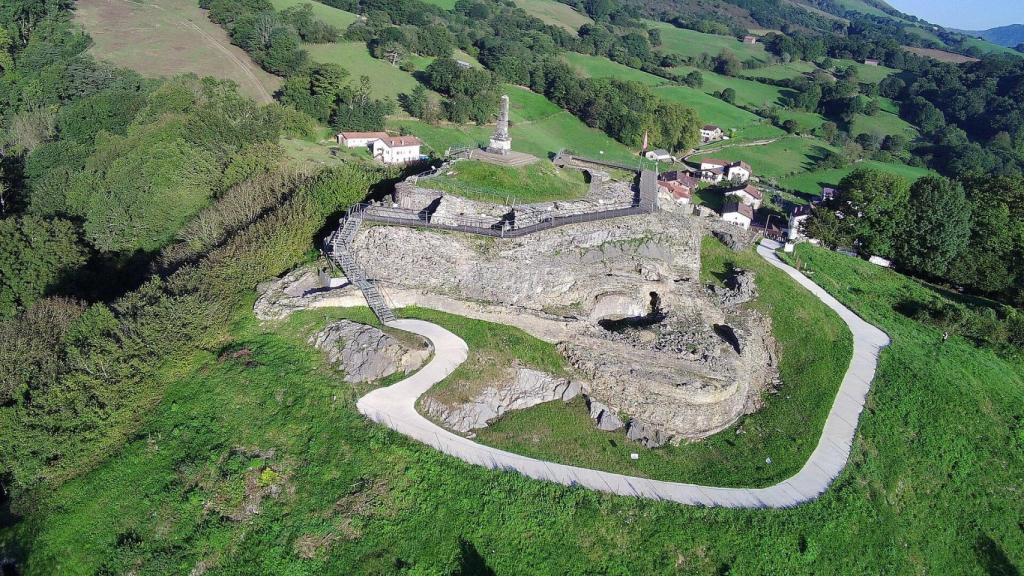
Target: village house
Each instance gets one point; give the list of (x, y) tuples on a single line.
[(678, 186), (660, 155), (710, 133), (797, 216), (748, 39), (715, 171), (738, 213), (827, 194), (359, 139), (749, 194), (871, 62), (397, 149)]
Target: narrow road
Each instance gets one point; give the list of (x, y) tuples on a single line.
[(395, 407)]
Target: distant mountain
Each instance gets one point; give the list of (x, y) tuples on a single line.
[(1009, 36)]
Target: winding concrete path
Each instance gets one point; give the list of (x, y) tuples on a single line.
[(394, 406)]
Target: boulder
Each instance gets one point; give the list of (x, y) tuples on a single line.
[(526, 388), (644, 434), (605, 417), (740, 288), (366, 353)]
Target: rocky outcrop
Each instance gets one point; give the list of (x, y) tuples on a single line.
[(739, 288), (525, 388), (645, 434), (605, 418), (736, 238), (365, 353)]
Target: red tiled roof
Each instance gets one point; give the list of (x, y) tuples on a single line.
[(713, 161), (711, 127), (678, 190), (398, 141), (738, 207), (752, 191), (743, 165)]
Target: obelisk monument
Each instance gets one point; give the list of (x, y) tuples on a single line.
[(501, 142)]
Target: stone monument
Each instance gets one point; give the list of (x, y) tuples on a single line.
[(501, 142)]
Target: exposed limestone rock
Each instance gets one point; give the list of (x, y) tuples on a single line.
[(605, 417), (645, 434), (739, 288), (366, 353), (736, 238), (525, 388)]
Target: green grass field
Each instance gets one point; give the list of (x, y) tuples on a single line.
[(539, 182), (882, 124), (784, 157), (806, 120), (748, 126), (748, 92), (786, 430), (387, 80), (866, 73), (780, 71), (601, 67), (812, 182), (691, 43), (328, 14), (555, 13), (932, 485)]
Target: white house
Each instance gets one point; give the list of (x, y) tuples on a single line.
[(359, 139), (797, 216), (715, 171), (710, 133), (397, 149), (738, 213), (660, 155), (747, 195)]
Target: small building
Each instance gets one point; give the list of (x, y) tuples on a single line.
[(738, 172), (749, 39), (359, 139), (871, 62), (463, 64), (397, 149), (738, 213), (879, 261), (797, 216), (827, 194), (660, 155), (710, 133), (749, 194)]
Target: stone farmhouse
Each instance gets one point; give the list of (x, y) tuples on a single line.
[(748, 39), (715, 171), (710, 133), (871, 62), (749, 194), (738, 213), (385, 148)]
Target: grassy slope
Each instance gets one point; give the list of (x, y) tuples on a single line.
[(328, 14), (786, 430), (784, 157), (693, 43), (601, 67), (932, 485), (387, 80), (812, 182), (780, 71), (170, 37), (882, 124), (539, 182), (555, 13), (866, 73)]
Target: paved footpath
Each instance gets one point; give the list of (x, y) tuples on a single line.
[(394, 406)]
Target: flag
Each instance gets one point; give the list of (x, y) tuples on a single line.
[(645, 140)]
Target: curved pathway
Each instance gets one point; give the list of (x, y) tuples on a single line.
[(394, 406)]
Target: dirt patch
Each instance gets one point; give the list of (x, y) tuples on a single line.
[(940, 55), (170, 37)]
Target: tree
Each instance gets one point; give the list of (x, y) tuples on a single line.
[(6, 62), (694, 79), (728, 95), (415, 103), (936, 228), (727, 63), (35, 255), (871, 108), (872, 206), (791, 126)]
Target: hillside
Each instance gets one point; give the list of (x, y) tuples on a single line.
[(1010, 36)]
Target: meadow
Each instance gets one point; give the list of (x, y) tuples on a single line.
[(691, 43), (784, 157), (812, 182), (538, 182), (554, 13), (386, 80), (327, 14), (167, 38)]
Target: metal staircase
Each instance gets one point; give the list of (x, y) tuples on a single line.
[(340, 247)]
